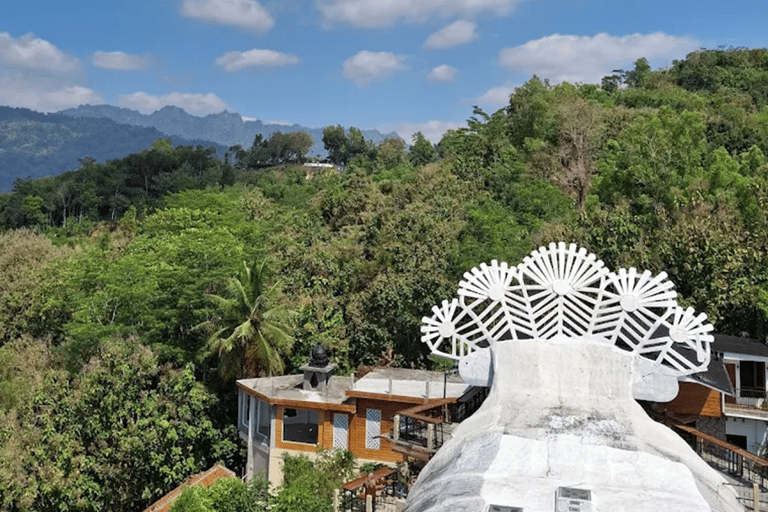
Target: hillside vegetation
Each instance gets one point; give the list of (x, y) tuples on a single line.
[(116, 364), (34, 145)]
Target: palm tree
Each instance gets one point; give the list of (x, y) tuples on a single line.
[(250, 331)]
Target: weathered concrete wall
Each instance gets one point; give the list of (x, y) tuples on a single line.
[(562, 413)]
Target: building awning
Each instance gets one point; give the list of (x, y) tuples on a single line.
[(715, 377)]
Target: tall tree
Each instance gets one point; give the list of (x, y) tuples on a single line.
[(579, 136), (422, 151), (252, 329), (335, 142)]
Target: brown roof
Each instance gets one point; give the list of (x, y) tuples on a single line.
[(204, 479)]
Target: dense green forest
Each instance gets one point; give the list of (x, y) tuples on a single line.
[(121, 283)]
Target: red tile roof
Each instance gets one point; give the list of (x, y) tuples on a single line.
[(204, 479)]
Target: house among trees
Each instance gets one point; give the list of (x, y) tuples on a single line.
[(738, 416), (299, 414)]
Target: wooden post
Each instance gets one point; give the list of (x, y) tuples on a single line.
[(396, 427), (369, 503), (755, 497), (335, 500), (430, 436)]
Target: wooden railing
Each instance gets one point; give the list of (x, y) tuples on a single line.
[(380, 485), (728, 457)]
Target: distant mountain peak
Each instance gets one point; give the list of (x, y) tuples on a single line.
[(225, 128)]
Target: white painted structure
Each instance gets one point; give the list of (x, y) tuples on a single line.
[(567, 347)]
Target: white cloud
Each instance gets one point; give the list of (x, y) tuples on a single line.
[(44, 96), (444, 73), (366, 67), (385, 13), (201, 104), (120, 61), (235, 61), (455, 34), (35, 74), (247, 14), (496, 96), (432, 130), (30, 52), (587, 59)]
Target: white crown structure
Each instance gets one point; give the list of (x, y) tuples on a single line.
[(563, 291)]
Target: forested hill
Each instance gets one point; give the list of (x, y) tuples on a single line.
[(121, 282), (226, 128), (34, 145)]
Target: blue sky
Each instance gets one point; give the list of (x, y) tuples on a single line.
[(403, 65)]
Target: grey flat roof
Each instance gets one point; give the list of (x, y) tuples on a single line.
[(411, 383), (289, 388)]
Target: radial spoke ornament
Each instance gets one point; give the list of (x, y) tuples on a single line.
[(563, 290)]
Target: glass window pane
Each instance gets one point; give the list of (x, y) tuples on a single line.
[(300, 426), (245, 402), (372, 429), (264, 419)]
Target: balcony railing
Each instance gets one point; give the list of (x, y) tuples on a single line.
[(382, 486), (750, 397), (420, 431)]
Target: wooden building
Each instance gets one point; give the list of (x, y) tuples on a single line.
[(298, 414)]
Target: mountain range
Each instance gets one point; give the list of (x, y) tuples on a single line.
[(35, 145), (225, 128)]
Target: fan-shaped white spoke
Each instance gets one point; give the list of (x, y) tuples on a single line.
[(562, 290)]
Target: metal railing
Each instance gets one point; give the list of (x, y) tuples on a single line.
[(421, 430), (751, 397)]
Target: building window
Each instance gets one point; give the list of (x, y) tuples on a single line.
[(752, 377), (372, 429), (264, 419), (261, 413), (245, 403), (340, 431), (300, 426)]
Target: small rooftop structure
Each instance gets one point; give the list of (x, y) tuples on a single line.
[(567, 347)]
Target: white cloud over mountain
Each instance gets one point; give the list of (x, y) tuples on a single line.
[(120, 61), (587, 59), (444, 73), (44, 96), (35, 74), (235, 61), (366, 67), (454, 34), (30, 52), (200, 104), (381, 13), (245, 14), (432, 130)]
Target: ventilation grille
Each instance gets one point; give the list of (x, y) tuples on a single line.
[(570, 499)]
